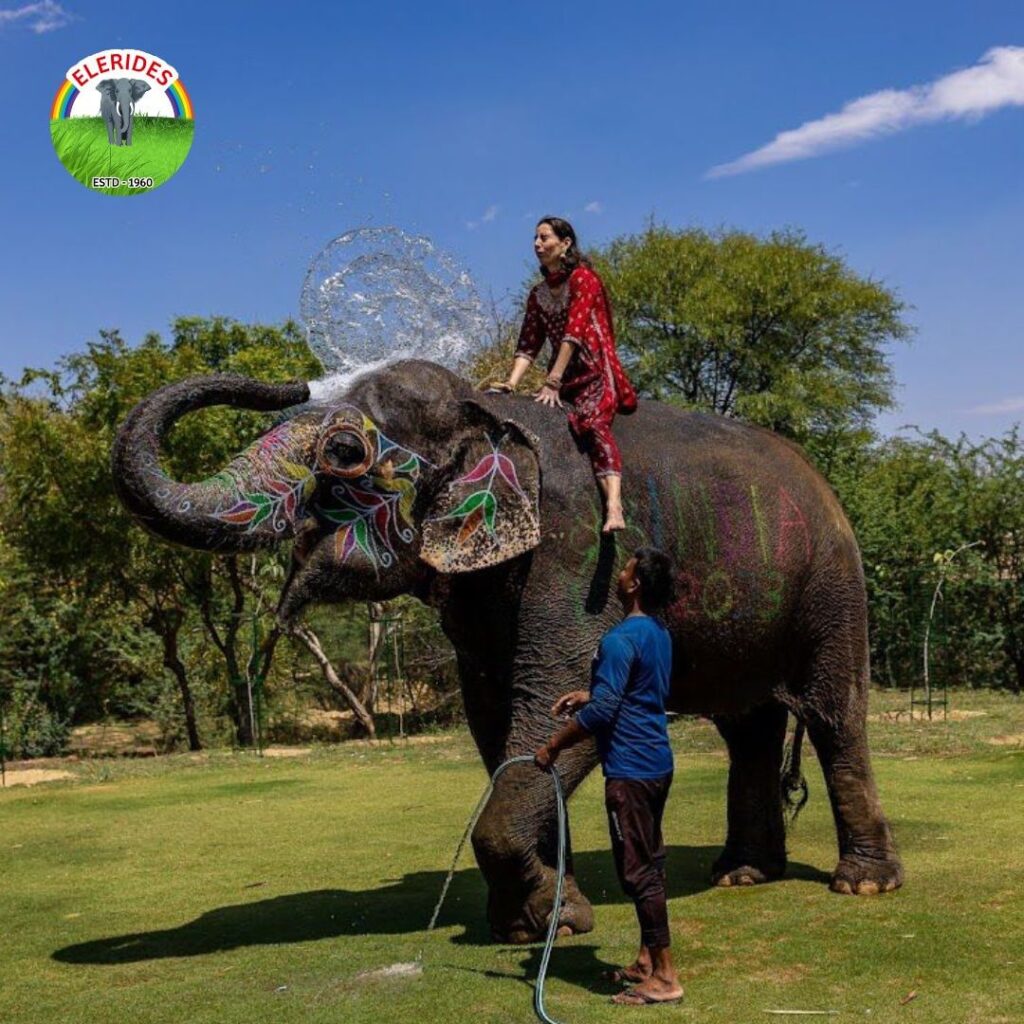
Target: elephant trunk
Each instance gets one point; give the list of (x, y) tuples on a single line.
[(123, 110), (244, 507)]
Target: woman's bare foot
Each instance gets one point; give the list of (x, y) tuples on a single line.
[(613, 520), (611, 489)]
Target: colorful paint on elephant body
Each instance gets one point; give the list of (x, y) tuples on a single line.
[(734, 544), (372, 511), (369, 512), (262, 483), (284, 486)]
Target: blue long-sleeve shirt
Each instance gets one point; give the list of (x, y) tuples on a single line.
[(629, 686)]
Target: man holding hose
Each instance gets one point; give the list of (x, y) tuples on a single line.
[(625, 712)]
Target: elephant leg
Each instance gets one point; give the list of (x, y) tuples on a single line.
[(515, 841), (868, 861), (755, 845), (508, 696)]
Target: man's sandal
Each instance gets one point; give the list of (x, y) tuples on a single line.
[(624, 976)]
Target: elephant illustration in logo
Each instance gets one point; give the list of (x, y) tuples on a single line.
[(117, 107)]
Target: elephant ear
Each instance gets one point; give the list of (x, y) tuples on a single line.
[(489, 511), (106, 87), (139, 88)]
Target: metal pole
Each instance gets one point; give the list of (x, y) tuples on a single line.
[(255, 667), (252, 713)]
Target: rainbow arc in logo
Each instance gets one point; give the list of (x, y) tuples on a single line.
[(68, 92)]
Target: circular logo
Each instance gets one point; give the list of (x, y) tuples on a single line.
[(122, 122)]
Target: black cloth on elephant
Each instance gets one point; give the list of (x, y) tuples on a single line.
[(635, 808)]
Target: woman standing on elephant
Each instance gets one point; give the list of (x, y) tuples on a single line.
[(570, 308)]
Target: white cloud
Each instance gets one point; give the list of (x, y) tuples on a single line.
[(1003, 406), (997, 80), (594, 207), (485, 218), (44, 16)]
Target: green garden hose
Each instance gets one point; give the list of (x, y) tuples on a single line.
[(538, 991)]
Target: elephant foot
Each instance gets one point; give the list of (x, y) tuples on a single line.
[(730, 870), (867, 876), (531, 922)]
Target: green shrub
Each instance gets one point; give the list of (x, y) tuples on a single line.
[(31, 728)]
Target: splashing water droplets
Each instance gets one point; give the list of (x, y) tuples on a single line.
[(374, 295)]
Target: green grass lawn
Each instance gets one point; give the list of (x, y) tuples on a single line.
[(159, 147), (226, 888)]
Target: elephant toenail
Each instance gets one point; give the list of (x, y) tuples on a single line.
[(725, 881), (867, 888), (843, 886)]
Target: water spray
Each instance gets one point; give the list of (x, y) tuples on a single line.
[(374, 295)]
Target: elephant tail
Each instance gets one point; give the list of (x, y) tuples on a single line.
[(793, 784)]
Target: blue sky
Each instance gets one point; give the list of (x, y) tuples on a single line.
[(466, 121)]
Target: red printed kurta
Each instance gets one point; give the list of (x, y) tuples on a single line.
[(575, 308)]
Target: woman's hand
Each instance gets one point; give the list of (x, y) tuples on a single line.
[(569, 703), (549, 396)]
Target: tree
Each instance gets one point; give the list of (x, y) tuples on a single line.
[(913, 499), (777, 331), (988, 478), (56, 436)]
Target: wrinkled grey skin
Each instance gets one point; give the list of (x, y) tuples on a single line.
[(771, 615), (117, 107)]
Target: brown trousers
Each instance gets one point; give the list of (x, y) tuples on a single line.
[(635, 808)]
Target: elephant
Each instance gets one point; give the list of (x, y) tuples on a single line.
[(407, 481), (117, 106)]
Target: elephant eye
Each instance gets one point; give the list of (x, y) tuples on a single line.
[(344, 451)]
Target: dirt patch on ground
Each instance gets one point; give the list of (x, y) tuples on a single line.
[(779, 975), (116, 739), (286, 751), (411, 969), (33, 776), (327, 726), (921, 715), (411, 740), (1014, 740)]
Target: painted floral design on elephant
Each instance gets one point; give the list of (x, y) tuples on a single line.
[(373, 510), (285, 485), (480, 508), (263, 482)]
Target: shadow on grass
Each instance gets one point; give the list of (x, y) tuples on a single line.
[(398, 907), (575, 965)]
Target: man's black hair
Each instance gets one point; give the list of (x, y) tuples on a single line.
[(654, 572)]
